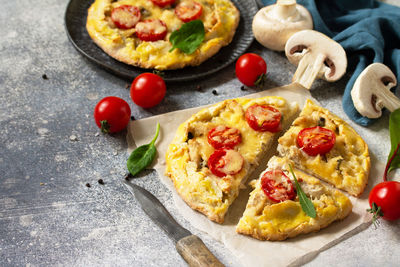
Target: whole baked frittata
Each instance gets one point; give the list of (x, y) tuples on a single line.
[(137, 32)]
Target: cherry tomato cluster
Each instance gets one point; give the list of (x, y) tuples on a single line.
[(186, 11), (112, 114), (227, 161), (150, 30)]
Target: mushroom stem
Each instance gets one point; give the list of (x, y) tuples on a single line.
[(388, 100), (309, 68), (317, 56), (285, 8)]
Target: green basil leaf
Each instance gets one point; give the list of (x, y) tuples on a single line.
[(142, 156), (394, 129), (305, 202), (189, 37)]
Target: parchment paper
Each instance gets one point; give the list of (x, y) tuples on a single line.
[(249, 251)]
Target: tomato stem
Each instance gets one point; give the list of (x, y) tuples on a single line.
[(105, 126), (390, 162), (260, 80), (377, 212)]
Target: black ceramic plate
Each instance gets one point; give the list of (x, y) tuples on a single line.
[(75, 24)]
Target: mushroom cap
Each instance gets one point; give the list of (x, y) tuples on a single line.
[(273, 31), (371, 91), (318, 44)]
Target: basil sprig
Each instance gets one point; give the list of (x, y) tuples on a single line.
[(189, 37), (394, 129), (305, 202), (142, 156)]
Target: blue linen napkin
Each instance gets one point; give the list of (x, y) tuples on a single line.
[(368, 30)]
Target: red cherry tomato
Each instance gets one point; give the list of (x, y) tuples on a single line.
[(277, 186), (125, 16), (225, 162), (112, 114), (151, 30), (386, 195), (251, 68), (316, 140), (188, 11), (223, 136), (163, 3), (263, 118), (147, 90)]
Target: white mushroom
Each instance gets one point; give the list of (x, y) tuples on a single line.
[(317, 56), (273, 25), (371, 91)]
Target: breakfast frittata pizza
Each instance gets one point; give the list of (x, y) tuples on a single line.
[(322, 144), (273, 211), (137, 32), (215, 151)]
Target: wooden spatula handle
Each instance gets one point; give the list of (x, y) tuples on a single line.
[(195, 253)]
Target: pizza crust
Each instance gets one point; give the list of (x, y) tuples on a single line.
[(220, 18)]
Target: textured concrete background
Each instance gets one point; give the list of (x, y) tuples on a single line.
[(50, 148)]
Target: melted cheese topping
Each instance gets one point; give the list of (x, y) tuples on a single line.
[(154, 26), (346, 166), (187, 158), (266, 220), (220, 18), (233, 162)]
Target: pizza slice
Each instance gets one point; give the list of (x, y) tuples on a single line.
[(273, 211), (322, 144), (215, 151)]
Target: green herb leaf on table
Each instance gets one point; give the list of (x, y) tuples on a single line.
[(394, 129), (189, 37), (305, 202), (143, 156)]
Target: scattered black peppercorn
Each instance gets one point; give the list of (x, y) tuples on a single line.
[(88, 185), (214, 92), (100, 181), (44, 76), (132, 118), (243, 88)]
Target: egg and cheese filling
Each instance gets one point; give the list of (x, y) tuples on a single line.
[(187, 156), (220, 19), (265, 219), (346, 165)]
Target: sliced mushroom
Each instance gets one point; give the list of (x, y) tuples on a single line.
[(371, 91), (273, 25), (317, 56)]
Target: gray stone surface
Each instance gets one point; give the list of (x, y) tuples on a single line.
[(50, 148)]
